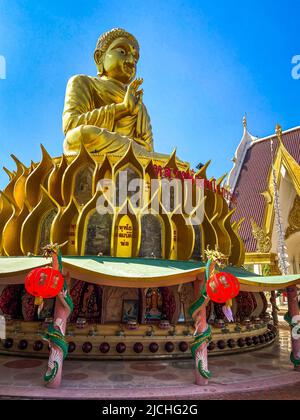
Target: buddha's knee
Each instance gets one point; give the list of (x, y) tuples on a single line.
[(87, 133)]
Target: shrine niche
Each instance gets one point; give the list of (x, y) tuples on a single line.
[(187, 297), (46, 224), (87, 299), (98, 234), (161, 304), (171, 304), (247, 304), (83, 185), (151, 241), (114, 299), (183, 238), (197, 252), (123, 188), (154, 305)]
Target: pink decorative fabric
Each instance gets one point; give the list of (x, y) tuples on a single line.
[(28, 308), (246, 304), (87, 299), (169, 303), (10, 301)]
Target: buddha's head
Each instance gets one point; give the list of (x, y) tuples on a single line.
[(116, 55)]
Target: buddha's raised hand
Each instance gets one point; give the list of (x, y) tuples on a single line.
[(133, 96)]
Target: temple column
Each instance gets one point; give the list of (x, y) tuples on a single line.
[(57, 342), (294, 314), (200, 380), (201, 326)]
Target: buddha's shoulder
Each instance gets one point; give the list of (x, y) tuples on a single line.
[(81, 80)]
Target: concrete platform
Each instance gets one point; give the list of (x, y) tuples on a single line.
[(260, 375)]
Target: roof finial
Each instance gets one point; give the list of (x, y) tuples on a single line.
[(279, 132), (245, 121)]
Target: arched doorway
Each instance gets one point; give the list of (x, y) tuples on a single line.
[(98, 234), (83, 185), (151, 241), (46, 224)]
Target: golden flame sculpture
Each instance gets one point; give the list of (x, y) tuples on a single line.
[(55, 200)]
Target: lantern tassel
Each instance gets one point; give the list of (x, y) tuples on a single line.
[(227, 310), (40, 308), (229, 303), (39, 301)]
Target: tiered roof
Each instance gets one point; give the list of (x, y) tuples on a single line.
[(249, 177)]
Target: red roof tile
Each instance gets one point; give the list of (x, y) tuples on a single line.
[(252, 182), (292, 144)]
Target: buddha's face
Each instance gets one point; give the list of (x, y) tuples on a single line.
[(120, 60)]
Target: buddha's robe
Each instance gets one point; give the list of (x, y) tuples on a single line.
[(89, 118)]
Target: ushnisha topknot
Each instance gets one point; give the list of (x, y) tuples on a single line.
[(108, 37)]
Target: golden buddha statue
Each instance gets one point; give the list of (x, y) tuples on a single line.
[(106, 112)]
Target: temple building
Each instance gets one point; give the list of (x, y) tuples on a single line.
[(135, 236), (251, 182)]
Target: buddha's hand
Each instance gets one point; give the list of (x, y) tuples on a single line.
[(147, 145), (133, 97), (141, 142)]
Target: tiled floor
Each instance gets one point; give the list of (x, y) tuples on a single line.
[(232, 375)]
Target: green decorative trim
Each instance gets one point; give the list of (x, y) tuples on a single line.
[(59, 258), (68, 298), (204, 373), (53, 373), (56, 337)]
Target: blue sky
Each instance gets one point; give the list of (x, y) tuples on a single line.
[(204, 63)]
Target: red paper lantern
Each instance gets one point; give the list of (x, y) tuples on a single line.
[(44, 283), (223, 287)]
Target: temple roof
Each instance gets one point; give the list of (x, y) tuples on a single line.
[(250, 175), (136, 272)]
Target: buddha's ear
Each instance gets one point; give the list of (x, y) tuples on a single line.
[(98, 57)]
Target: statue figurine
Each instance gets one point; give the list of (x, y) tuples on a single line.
[(106, 113)]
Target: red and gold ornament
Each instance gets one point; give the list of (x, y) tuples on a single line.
[(44, 283), (223, 287)]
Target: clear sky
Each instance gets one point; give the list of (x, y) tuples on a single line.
[(204, 63)]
